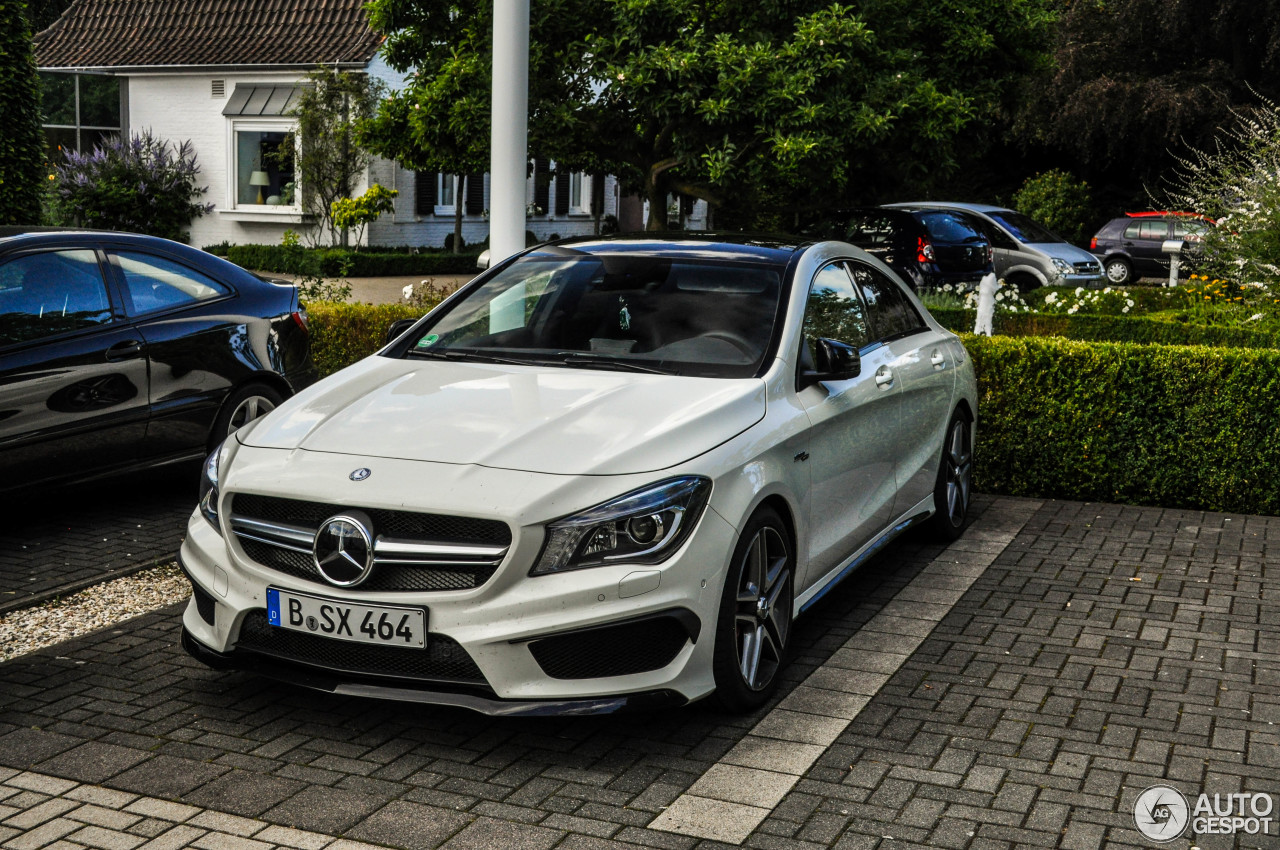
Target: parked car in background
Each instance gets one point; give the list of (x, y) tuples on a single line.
[(1132, 246), (606, 473), (927, 248), (120, 351), (1027, 254)]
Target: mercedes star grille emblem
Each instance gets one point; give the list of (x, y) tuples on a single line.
[(360, 474), (343, 549)]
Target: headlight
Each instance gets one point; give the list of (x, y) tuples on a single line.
[(209, 488), (1062, 266), (643, 527)]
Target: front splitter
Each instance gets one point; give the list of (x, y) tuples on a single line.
[(319, 679)]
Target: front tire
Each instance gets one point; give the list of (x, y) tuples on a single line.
[(953, 490), (753, 631)]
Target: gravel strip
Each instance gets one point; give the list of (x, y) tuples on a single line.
[(97, 607)]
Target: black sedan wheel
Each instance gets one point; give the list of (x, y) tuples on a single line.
[(242, 407), (754, 628)]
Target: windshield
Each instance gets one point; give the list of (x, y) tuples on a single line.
[(1025, 229), (626, 312)]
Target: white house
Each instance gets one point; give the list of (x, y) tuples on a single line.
[(225, 73)]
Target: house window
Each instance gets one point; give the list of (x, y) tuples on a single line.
[(79, 111), (579, 194), (446, 193), (263, 170)]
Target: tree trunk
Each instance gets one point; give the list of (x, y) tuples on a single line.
[(655, 190), (458, 185)]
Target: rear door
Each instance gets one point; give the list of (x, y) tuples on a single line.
[(1144, 240), (73, 372)]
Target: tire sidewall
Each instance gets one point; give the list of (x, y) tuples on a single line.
[(218, 432), (942, 525), (732, 692)]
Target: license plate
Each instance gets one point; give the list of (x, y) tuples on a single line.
[(384, 625)]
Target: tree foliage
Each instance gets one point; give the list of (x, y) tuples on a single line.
[(1059, 201), (330, 158), (142, 184), (22, 140), (1134, 79), (764, 105)]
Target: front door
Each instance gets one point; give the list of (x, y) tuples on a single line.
[(854, 437)]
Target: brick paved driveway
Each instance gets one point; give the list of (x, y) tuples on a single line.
[(56, 542), (1103, 649)]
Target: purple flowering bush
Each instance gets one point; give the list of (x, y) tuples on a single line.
[(141, 184)]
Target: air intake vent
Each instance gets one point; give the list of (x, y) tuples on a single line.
[(218, 88)]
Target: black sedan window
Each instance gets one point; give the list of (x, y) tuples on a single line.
[(155, 283), (49, 293)]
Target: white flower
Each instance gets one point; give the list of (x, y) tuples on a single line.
[(1125, 310), (1079, 290), (1051, 298), (1106, 291), (1255, 317), (1128, 302)]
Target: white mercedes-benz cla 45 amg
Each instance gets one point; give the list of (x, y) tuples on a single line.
[(607, 473)]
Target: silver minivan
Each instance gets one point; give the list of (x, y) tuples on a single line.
[(1027, 254)]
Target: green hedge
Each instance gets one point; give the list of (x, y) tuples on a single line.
[(1093, 328), (327, 262), (341, 334), (1141, 424), (1178, 426)]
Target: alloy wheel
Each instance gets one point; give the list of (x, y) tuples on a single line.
[(762, 615), (248, 410), (959, 475)]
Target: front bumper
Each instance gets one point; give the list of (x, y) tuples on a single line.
[(496, 628)]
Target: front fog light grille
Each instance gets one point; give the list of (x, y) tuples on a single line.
[(638, 646), (444, 659)]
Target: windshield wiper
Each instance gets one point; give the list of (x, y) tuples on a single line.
[(586, 360), (472, 356)]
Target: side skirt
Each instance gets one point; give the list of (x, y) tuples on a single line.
[(810, 597)]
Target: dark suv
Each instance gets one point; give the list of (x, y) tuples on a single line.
[(1131, 246), (927, 248)]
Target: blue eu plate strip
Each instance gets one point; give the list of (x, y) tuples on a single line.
[(273, 606)]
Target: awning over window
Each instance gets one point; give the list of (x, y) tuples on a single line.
[(253, 100)]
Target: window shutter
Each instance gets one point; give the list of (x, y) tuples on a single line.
[(562, 191), (597, 194), (542, 184), (475, 194), (424, 193)]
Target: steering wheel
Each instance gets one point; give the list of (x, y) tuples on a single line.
[(737, 341)]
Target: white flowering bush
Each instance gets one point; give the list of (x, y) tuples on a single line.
[(1238, 184), (1008, 298), (1107, 302)]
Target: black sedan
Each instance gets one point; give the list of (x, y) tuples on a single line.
[(120, 351)]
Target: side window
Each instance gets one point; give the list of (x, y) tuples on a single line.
[(997, 237), (1192, 231), (154, 283), (834, 310), (1154, 230), (892, 315), (1132, 231), (51, 293)]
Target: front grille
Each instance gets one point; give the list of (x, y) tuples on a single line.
[(287, 549), (407, 524), (444, 660), (638, 646), (1087, 267)]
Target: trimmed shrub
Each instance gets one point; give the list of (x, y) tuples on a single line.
[(1141, 424), (22, 143), (341, 334), (327, 262), (1082, 326)]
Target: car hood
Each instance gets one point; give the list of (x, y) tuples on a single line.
[(529, 418), (1064, 251)]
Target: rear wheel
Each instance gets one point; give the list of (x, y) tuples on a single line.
[(753, 632), (954, 488), (1118, 271), (242, 407)]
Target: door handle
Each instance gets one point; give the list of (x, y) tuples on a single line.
[(938, 360), (126, 350), (884, 376)]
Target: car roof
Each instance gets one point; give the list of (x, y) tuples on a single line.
[(950, 205), (691, 244)]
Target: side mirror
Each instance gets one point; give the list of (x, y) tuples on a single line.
[(398, 327), (833, 361)]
